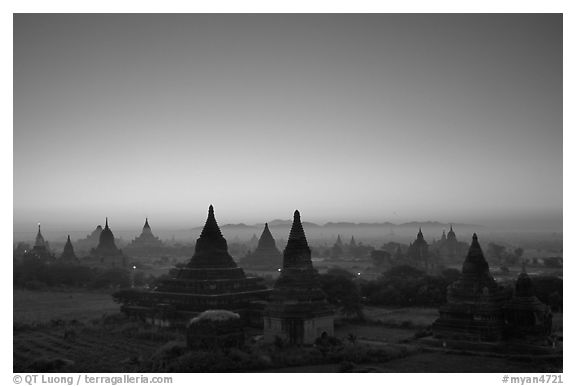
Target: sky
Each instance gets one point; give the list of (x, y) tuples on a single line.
[(346, 117)]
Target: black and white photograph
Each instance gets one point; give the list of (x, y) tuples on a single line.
[(288, 193)]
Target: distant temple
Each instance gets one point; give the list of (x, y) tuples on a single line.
[(418, 253), (68, 256), (475, 303), (210, 281), (479, 310), (448, 248), (298, 312), (40, 251), (146, 244), (90, 241), (527, 317), (266, 256), (106, 253)]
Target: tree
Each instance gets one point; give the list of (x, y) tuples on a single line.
[(342, 292)]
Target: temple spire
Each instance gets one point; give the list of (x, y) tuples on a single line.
[(106, 226), (39, 238), (297, 253), (211, 247)]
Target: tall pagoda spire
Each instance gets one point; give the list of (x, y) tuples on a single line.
[(106, 240), (68, 252), (451, 234), (211, 247), (39, 239), (297, 253), (146, 225)]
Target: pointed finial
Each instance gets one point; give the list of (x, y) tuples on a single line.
[(68, 238), (265, 225), (211, 209), (475, 237), (451, 227), (296, 215), (106, 226)]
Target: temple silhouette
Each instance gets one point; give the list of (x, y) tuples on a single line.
[(146, 244), (106, 252), (480, 310), (298, 311), (211, 280), (40, 252), (266, 256), (68, 256)]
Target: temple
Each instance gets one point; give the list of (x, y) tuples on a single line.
[(68, 256), (475, 303), (145, 245), (40, 251), (106, 253), (527, 317), (297, 312), (266, 256), (448, 247), (90, 241), (418, 253), (210, 281)]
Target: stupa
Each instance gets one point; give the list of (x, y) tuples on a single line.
[(266, 256), (68, 256), (106, 253), (210, 281), (475, 302), (297, 312)]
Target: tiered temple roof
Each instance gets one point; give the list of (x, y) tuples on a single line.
[(266, 255), (475, 302), (146, 244), (211, 280), (297, 301), (106, 252)]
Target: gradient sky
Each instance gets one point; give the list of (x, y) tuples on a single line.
[(349, 117)]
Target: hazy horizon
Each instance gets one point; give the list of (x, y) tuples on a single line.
[(346, 117)]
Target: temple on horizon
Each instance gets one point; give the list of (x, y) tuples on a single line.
[(266, 256), (40, 252), (106, 252), (68, 256), (146, 244)]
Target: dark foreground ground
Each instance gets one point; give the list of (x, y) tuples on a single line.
[(83, 332)]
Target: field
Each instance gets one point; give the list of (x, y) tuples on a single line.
[(85, 350), (83, 332), (44, 306)]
